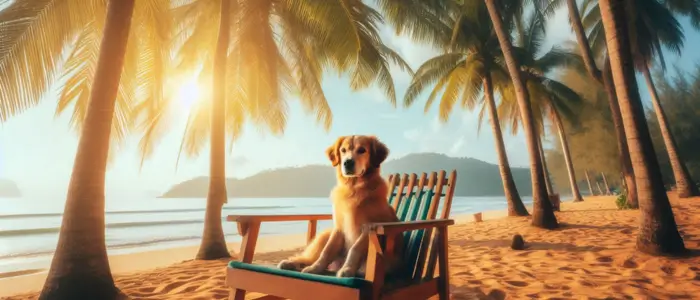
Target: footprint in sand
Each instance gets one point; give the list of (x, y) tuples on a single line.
[(497, 294), (146, 290), (668, 270), (604, 259), (630, 264), (626, 231), (517, 283)]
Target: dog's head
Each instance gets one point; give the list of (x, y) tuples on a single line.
[(357, 155)]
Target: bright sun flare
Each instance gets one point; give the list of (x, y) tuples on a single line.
[(187, 94)]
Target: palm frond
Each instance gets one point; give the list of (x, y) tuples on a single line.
[(560, 58), (430, 72), (154, 27), (33, 36), (424, 21)]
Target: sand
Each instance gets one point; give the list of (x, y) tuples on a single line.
[(591, 257)]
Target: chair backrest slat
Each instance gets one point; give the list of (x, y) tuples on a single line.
[(405, 203), (414, 239), (447, 206), (419, 200), (438, 183), (414, 206), (399, 191)]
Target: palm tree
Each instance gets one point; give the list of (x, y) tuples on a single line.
[(605, 78), (547, 179), (213, 244), (650, 35), (588, 181), (658, 232), (104, 76), (653, 28), (553, 98), (463, 74), (542, 216), (276, 48)]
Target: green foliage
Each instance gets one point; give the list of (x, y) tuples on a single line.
[(621, 201), (592, 142), (680, 98)]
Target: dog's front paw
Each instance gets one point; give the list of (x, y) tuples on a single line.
[(288, 265), (345, 272), (313, 269)]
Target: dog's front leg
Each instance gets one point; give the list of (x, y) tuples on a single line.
[(329, 253), (357, 253)]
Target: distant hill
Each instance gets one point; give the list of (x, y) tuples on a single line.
[(9, 189), (474, 178)]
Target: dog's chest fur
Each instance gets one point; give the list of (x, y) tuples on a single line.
[(348, 221), (353, 208)]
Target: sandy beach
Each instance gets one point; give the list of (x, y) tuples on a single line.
[(592, 256)]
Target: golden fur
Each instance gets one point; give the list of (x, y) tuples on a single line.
[(359, 198)]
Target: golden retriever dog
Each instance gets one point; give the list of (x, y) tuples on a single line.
[(359, 198)]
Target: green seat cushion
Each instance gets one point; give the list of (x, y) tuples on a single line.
[(351, 282)]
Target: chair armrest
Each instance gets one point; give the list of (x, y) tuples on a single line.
[(277, 218), (398, 227)]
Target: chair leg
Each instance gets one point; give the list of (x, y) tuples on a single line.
[(250, 232), (236, 294), (444, 281)]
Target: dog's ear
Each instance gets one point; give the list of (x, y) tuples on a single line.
[(333, 153), (379, 152)]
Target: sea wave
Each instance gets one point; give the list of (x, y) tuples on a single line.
[(133, 244), (47, 230), (52, 230), (135, 212)]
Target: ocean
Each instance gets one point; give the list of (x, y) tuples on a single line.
[(29, 227)]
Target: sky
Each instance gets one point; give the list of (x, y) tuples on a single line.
[(37, 148)]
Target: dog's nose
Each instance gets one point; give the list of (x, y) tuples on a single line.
[(349, 164)]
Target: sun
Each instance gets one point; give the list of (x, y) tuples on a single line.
[(187, 94)]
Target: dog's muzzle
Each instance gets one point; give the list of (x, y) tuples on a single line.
[(349, 167)]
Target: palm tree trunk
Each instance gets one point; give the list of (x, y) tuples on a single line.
[(658, 232), (547, 180), (80, 268), (605, 184), (622, 148), (575, 193), (213, 244), (685, 186), (542, 215), (605, 78), (590, 187), (622, 181), (585, 47), (515, 204)]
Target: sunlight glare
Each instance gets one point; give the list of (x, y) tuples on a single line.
[(188, 93)]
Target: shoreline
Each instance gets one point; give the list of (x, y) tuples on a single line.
[(32, 279), (591, 255)]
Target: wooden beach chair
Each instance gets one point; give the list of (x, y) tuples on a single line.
[(416, 200)]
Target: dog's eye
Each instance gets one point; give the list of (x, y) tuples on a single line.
[(361, 150), (342, 150)]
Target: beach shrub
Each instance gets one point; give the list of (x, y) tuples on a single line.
[(621, 200)]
